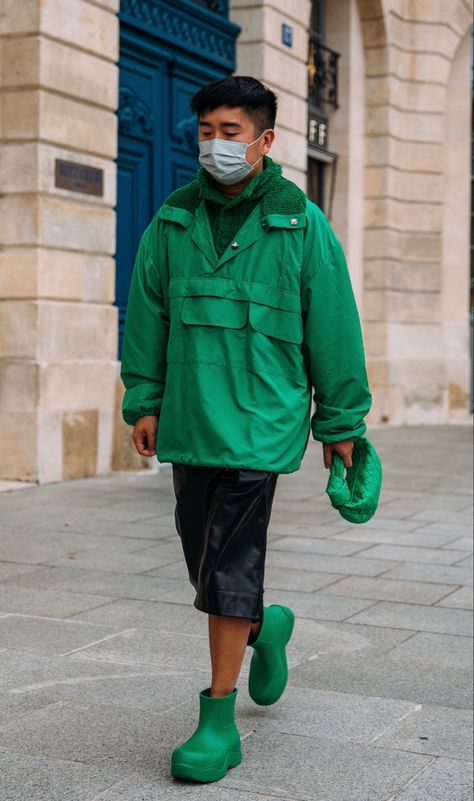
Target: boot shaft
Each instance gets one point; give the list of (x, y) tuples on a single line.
[(217, 711)]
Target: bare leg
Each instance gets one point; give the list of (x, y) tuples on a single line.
[(228, 638)]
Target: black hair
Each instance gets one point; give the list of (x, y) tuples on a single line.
[(238, 91)]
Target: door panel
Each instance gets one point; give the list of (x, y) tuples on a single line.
[(165, 57), (134, 210)]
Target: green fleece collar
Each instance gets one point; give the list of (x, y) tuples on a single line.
[(254, 189), (282, 197)]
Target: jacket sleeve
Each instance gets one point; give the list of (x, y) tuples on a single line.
[(145, 339), (332, 341)]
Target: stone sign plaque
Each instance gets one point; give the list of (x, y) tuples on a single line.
[(79, 178)]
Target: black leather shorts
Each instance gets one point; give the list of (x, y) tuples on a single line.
[(222, 515)]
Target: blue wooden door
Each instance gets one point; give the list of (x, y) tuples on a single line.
[(167, 52)]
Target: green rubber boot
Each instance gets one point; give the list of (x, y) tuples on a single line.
[(215, 746), (269, 667)]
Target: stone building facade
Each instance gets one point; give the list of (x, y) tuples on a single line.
[(396, 167)]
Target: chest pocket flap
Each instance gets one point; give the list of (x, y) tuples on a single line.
[(277, 323), (212, 310)]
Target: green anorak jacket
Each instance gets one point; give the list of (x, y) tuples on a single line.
[(226, 350)]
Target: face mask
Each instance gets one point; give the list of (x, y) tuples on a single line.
[(226, 160)]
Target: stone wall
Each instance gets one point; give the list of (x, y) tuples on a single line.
[(401, 210), (261, 53), (410, 49), (346, 136), (401, 204), (58, 327)]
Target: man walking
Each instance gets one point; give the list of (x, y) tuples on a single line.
[(240, 303)]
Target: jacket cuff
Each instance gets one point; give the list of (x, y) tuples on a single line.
[(131, 417), (327, 431), (139, 401)]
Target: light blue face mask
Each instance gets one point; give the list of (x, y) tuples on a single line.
[(226, 160)]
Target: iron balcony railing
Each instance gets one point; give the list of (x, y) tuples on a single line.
[(322, 74)]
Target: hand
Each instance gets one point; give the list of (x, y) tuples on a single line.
[(144, 434), (344, 448)]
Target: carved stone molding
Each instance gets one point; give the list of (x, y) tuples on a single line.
[(177, 24)]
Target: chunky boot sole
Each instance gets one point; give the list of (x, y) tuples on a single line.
[(268, 675), (211, 774)]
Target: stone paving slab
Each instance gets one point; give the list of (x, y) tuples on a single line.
[(132, 739), (14, 663), (435, 730), (133, 513), (411, 506), (416, 618), (314, 769), (346, 718), (37, 778), (103, 530), (281, 578), (350, 565), (14, 707), (401, 553), (317, 605), (284, 782), (155, 615), (399, 537), (100, 582), (382, 589), (97, 735), (440, 649), (102, 653), (328, 521), (125, 686), (443, 574), (447, 524), (318, 639), (39, 635), (459, 599), (51, 546), (462, 544), (46, 679), (386, 677), (138, 788), (170, 652), (330, 546), (46, 603), (379, 522), (315, 530), (443, 780), (164, 649), (12, 569), (110, 561)]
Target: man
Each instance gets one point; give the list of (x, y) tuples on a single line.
[(240, 303)]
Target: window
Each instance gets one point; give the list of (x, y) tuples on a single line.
[(322, 98)]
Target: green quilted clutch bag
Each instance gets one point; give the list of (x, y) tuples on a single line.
[(356, 496)]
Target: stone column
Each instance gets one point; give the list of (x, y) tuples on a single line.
[(346, 135), (261, 53), (58, 327), (409, 49)]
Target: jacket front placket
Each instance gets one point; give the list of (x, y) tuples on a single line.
[(249, 233)]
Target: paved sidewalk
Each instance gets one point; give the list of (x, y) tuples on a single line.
[(102, 653)]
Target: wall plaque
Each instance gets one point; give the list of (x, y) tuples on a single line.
[(79, 178)]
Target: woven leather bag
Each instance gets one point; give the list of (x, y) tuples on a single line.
[(356, 496)]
